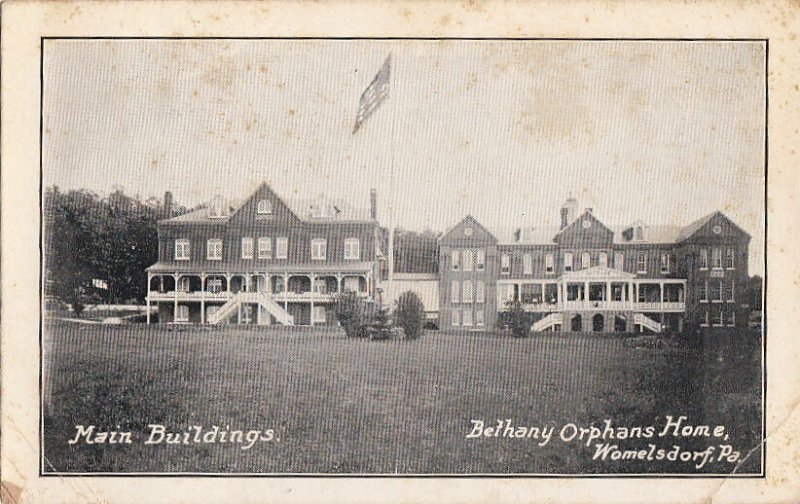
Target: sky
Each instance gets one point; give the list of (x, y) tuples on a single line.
[(665, 132)]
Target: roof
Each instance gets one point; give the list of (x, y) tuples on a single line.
[(543, 235), (689, 230), (335, 210), (343, 267), (597, 273)]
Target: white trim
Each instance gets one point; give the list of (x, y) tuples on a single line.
[(281, 247), (185, 247), (319, 249), (247, 248), (214, 245)]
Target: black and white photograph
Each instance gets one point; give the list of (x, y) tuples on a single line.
[(403, 257)]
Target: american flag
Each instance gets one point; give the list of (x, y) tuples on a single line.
[(375, 94)]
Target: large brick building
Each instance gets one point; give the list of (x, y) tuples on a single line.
[(263, 261), (585, 276)]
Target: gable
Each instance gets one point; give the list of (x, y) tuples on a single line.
[(468, 232), (247, 213), (585, 232), (713, 227)]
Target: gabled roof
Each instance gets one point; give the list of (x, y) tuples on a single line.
[(472, 222), (692, 228), (302, 208)]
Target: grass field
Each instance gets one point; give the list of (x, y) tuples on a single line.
[(355, 406)]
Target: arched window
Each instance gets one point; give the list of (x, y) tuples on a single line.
[(264, 207), (603, 259)]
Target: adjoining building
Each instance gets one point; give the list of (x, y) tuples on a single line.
[(587, 277), (263, 261)]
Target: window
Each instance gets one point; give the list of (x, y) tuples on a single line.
[(480, 260), (183, 284), (716, 290), (351, 284), (718, 318), (182, 315), (215, 285), (480, 291), (730, 291), (455, 318), (549, 263), (527, 264), (704, 322), (352, 248), (247, 248), (466, 292), (466, 318), (319, 249), (730, 318), (467, 260), (214, 249), (264, 207), (703, 294), (664, 263), (703, 259), (479, 317), (641, 263), (454, 287), (716, 258), (182, 250), (568, 261), (319, 314), (586, 260), (505, 264), (281, 248), (619, 261), (265, 248), (604, 259), (730, 259), (455, 260)]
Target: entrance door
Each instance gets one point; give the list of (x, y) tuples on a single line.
[(576, 323), (598, 323)]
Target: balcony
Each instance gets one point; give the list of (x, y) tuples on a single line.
[(667, 306)]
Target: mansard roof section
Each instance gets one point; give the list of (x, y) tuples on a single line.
[(585, 231), (467, 232), (714, 224)]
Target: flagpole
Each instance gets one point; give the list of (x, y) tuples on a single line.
[(392, 161)]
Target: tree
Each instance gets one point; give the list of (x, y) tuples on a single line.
[(351, 312), (380, 325), (516, 319), (409, 314)]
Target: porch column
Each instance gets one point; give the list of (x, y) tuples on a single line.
[(661, 288), (228, 283), (608, 291), (175, 312), (311, 313), (585, 291), (202, 298), (239, 314), (285, 291), (543, 298), (339, 283), (148, 309)]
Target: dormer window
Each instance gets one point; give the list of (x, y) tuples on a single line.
[(264, 207), (638, 233), (217, 208)]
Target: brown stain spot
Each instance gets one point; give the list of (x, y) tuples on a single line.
[(9, 492), (154, 163), (445, 20), (406, 13), (292, 111), (195, 93), (263, 68)]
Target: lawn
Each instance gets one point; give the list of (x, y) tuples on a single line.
[(339, 405)]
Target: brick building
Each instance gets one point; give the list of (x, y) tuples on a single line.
[(585, 276), (263, 261)]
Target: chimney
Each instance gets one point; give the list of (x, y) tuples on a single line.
[(564, 217), (373, 204), (589, 209), (568, 211), (168, 204)]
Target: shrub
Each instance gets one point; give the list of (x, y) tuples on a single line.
[(409, 314), (380, 326), (354, 314), (516, 319)]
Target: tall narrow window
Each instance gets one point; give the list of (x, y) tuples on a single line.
[(264, 207), (703, 259), (603, 259), (265, 248), (455, 318), (281, 248), (466, 292), (352, 248), (182, 250), (549, 264), (730, 259), (703, 294), (214, 249), (247, 248), (716, 258), (731, 297), (466, 318), (467, 260), (568, 261), (664, 263), (716, 290), (319, 249), (704, 322), (480, 260), (730, 318), (182, 315), (480, 291), (454, 290), (641, 263), (718, 318), (527, 264), (619, 261), (455, 260), (586, 260), (478, 317), (505, 264)]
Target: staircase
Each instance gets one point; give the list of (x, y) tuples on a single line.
[(232, 305), (547, 322), (646, 322)]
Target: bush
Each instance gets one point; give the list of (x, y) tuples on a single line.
[(409, 314), (379, 325), (517, 320), (353, 315)]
